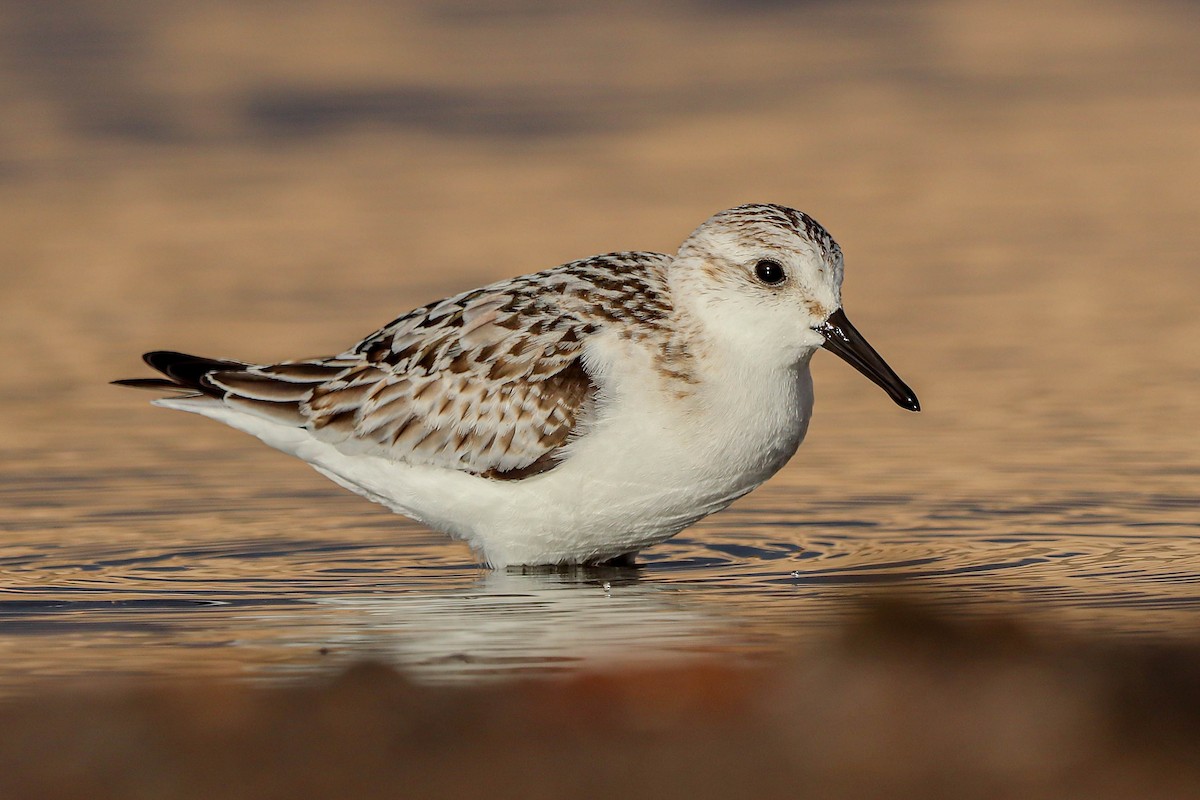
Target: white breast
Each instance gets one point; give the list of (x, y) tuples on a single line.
[(652, 464)]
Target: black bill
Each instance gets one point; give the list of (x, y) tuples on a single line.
[(848, 344)]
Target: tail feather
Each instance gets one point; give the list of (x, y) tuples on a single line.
[(273, 392), (157, 384), (184, 372)]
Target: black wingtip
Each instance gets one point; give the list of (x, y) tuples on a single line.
[(183, 371), (158, 384)]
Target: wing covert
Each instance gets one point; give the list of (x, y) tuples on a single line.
[(491, 381), (487, 382)]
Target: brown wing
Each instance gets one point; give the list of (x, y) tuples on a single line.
[(490, 382)]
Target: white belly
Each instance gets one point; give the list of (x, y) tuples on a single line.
[(649, 467)]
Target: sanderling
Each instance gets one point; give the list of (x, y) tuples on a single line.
[(572, 416)]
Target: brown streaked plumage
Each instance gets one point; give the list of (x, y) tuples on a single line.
[(491, 381)]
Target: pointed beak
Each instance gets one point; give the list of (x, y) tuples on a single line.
[(842, 339)]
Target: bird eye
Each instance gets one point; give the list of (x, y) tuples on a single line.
[(770, 272)]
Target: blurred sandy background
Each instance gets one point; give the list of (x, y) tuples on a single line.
[(1015, 188), (1014, 185)]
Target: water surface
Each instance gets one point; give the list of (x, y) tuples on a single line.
[(1014, 188), (276, 581)]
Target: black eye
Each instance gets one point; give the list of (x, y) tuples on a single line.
[(770, 272)]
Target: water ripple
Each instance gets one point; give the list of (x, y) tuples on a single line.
[(263, 589)]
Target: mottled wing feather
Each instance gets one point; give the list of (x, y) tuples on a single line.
[(488, 382), (491, 381)]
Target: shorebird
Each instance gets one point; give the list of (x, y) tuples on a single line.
[(575, 415)]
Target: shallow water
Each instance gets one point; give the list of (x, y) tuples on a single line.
[(1013, 186), (138, 572)]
